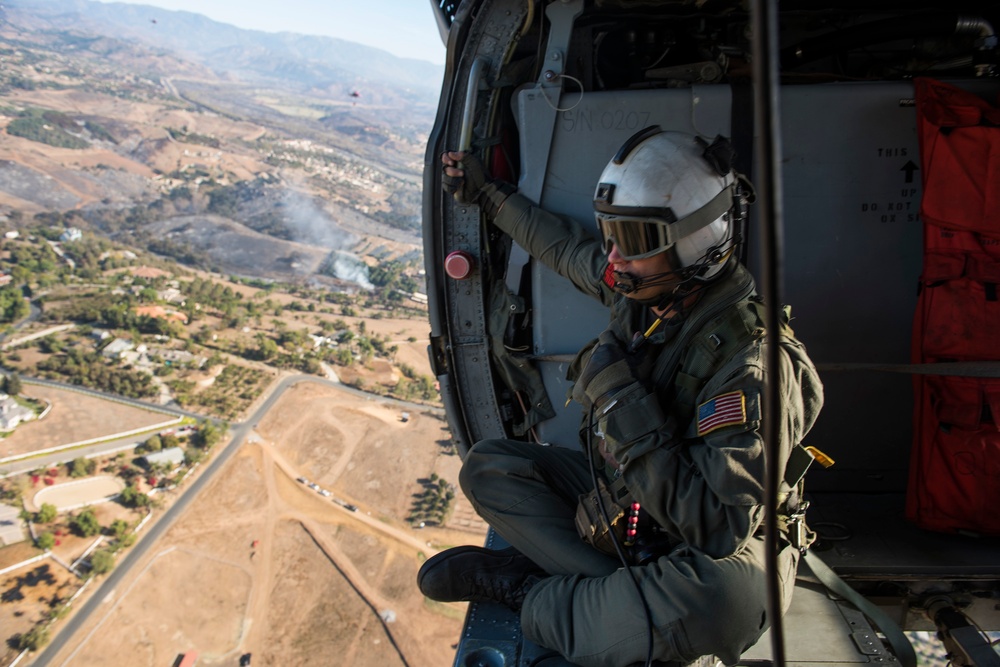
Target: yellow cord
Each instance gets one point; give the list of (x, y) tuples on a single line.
[(652, 328)]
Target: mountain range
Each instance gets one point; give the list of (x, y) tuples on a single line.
[(167, 131), (310, 61)]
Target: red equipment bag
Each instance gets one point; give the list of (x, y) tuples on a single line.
[(958, 315), (954, 483), (960, 154), (956, 463)]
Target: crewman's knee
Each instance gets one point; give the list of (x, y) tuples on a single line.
[(478, 465), (731, 614)]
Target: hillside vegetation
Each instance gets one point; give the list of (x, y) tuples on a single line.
[(135, 138), (192, 226)]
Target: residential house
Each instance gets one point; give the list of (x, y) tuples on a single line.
[(71, 234), (13, 413), (174, 456), (115, 348)]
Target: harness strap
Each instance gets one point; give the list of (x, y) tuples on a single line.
[(901, 646)]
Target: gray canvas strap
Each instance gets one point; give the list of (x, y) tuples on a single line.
[(901, 646)]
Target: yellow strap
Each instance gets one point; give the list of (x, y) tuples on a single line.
[(822, 458)]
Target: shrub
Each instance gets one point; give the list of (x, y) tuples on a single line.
[(46, 541), (102, 561)]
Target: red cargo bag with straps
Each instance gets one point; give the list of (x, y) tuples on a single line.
[(956, 464), (959, 137), (954, 482), (958, 314)]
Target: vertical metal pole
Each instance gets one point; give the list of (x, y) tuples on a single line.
[(768, 176)]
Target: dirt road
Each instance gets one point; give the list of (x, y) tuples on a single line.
[(261, 563)]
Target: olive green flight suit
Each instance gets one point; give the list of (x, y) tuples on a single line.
[(706, 593)]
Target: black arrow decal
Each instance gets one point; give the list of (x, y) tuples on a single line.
[(909, 168)]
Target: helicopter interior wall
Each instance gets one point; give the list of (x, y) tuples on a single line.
[(852, 257), (852, 249)]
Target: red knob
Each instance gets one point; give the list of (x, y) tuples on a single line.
[(459, 264)]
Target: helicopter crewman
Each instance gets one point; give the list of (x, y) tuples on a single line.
[(646, 544)]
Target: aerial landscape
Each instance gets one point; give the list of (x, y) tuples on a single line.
[(221, 436)]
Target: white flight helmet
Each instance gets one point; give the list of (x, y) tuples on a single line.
[(672, 192)]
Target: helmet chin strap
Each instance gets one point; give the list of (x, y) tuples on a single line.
[(685, 282), (627, 283)]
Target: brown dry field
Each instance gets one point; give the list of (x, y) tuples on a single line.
[(323, 586), (74, 417)]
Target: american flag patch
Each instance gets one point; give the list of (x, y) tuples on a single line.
[(723, 410)]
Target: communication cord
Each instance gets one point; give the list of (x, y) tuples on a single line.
[(614, 538)]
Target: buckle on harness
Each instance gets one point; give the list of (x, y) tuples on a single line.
[(795, 530)]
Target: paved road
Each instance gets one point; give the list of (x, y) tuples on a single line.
[(146, 543), (12, 468)]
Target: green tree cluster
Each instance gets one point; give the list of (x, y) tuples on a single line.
[(89, 369), (13, 305), (87, 309), (46, 541), (82, 467), (47, 127), (152, 444), (433, 504), (120, 528), (234, 388), (207, 435), (132, 497), (211, 293), (390, 275), (12, 384), (85, 523), (47, 513), (91, 255), (102, 561)]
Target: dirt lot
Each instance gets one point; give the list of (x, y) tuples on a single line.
[(74, 417), (261, 563)]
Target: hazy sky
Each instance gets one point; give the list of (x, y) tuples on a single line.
[(404, 28)]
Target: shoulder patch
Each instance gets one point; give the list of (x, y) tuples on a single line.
[(727, 409)]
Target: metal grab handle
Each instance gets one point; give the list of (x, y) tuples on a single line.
[(471, 93)]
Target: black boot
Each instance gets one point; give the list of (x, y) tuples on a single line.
[(475, 574)]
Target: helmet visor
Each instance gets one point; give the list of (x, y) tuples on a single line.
[(635, 238)]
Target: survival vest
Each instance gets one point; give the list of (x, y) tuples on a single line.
[(702, 348)]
